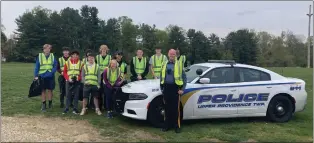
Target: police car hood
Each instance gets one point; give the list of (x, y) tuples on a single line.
[(142, 86)]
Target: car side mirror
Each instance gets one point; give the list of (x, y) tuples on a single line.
[(199, 71), (204, 80)]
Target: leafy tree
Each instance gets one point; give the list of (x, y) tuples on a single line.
[(113, 36)]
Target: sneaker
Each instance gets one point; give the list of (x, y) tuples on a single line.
[(75, 111), (83, 112), (98, 112), (164, 129), (65, 111), (109, 115), (43, 107)]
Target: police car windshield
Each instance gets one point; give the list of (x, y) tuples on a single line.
[(191, 72)]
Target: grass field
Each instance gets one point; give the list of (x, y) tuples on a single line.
[(16, 79)]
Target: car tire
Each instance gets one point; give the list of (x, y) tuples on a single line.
[(154, 115), (154, 112), (280, 109)]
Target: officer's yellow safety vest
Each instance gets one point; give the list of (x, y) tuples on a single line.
[(44, 63), (62, 61), (122, 68), (91, 74), (177, 73), (157, 64), (103, 63), (182, 59), (139, 66), (73, 69), (112, 75)]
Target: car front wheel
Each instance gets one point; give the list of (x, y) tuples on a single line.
[(156, 112), (280, 109)]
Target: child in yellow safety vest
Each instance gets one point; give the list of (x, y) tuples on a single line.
[(91, 78), (72, 75), (112, 79)]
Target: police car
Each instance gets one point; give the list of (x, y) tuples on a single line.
[(219, 89)]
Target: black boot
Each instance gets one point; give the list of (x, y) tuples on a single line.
[(177, 130)]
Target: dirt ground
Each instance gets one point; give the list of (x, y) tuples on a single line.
[(43, 129)]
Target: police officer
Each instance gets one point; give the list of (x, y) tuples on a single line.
[(122, 65), (181, 58), (139, 67), (72, 75), (172, 84), (102, 60), (156, 62), (60, 66), (46, 67)]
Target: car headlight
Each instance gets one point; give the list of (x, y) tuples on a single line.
[(137, 96)]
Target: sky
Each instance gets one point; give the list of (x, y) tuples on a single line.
[(219, 17)]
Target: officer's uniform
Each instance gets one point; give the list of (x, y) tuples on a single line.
[(172, 79), (72, 69), (156, 62), (182, 59), (138, 67), (102, 62), (61, 80)]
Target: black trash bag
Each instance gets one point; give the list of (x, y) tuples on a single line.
[(36, 88)]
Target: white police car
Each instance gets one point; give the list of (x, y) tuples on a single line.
[(220, 89)]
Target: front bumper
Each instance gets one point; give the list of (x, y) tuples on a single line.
[(136, 109), (301, 101)]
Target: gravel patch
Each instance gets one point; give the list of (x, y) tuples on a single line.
[(43, 129)]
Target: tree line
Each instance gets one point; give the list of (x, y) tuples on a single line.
[(82, 29)]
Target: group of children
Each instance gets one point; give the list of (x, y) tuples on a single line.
[(100, 75)]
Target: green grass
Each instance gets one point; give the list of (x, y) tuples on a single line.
[(16, 79)]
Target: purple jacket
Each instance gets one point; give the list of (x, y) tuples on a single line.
[(116, 84)]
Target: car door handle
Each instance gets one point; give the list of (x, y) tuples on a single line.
[(269, 87), (233, 90)]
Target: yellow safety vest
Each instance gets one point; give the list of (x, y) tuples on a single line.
[(44, 63), (112, 75), (73, 69), (91, 74), (103, 63), (139, 66), (62, 61), (122, 68), (177, 72), (157, 64), (182, 59)]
